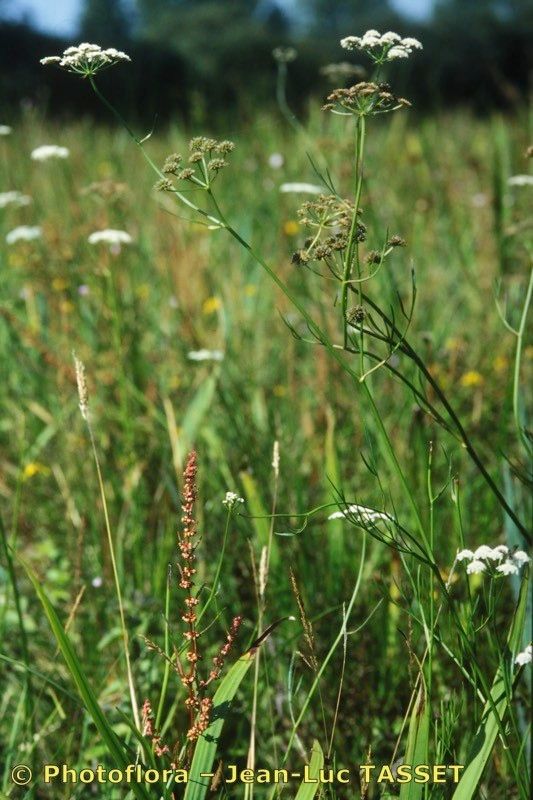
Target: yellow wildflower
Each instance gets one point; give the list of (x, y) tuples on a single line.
[(211, 305), (59, 284), (500, 364), (66, 307), (34, 468), (143, 291), (279, 390), (291, 227), (471, 379)]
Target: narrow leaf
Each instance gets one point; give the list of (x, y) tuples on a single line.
[(116, 749), (201, 771), (485, 738), (417, 743), (308, 790)]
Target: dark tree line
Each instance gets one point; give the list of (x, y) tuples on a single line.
[(217, 54)]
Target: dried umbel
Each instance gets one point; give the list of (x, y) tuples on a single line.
[(331, 221), (284, 55), (364, 98), (342, 72), (207, 157)]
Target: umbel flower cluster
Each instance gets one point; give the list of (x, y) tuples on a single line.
[(86, 59), (493, 560), (382, 47), (205, 160), (365, 98), (333, 222)]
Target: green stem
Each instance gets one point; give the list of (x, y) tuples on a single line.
[(353, 243), (517, 362)]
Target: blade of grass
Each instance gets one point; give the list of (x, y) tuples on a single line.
[(417, 743), (201, 771), (260, 517), (308, 790), (115, 748), (485, 738)]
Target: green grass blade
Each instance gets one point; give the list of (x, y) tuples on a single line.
[(201, 770), (485, 738), (260, 519), (417, 743), (332, 479), (308, 790), (116, 749), (196, 411)]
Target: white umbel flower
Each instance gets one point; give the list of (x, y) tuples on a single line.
[(520, 558), (507, 568), (462, 555), (382, 47), (365, 514), (5, 130), (47, 151), (16, 199), (501, 548), (276, 160), (86, 59), (205, 355), (475, 567), (111, 237), (231, 500), (484, 551), (24, 233), (397, 52), (300, 188), (524, 657), (520, 180)]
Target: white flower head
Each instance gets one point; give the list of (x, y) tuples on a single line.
[(484, 551), (113, 238), (362, 513), (382, 47), (86, 59), (520, 180), (47, 151), (524, 657), (24, 233), (5, 130), (507, 568), (520, 558), (205, 355), (475, 567), (397, 52), (300, 188), (232, 500), (15, 198), (391, 38), (276, 160), (502, 548), (411, 44), (462, 555)]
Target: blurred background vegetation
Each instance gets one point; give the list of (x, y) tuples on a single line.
[(476, 54)]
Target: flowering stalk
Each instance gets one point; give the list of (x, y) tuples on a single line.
[(197, 703)]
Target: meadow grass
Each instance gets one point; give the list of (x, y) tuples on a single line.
[(133, 318)]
